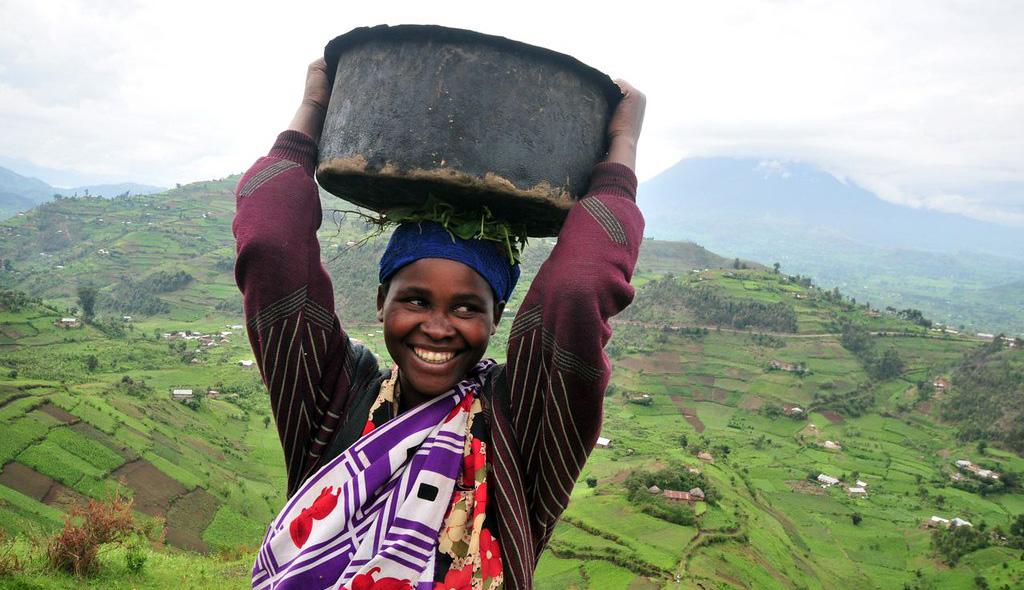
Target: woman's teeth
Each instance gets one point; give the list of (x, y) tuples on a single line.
[(431, 356)]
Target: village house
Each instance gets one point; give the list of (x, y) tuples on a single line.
[(67, 323), (603, 442), (832, 445), (181, 394), (676, 496), (697, 494), (693, 470), (654, 489), (861, 484), (212, 393), (706, 456), (940, 384), (643, 399), (985, 336), (827, 480), (857, 492), (792, 410), (958, 522), (936, 521), (784, 366), (969, 467)]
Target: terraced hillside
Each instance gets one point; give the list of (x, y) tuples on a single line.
[(732, 393)]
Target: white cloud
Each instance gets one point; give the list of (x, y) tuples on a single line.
[(921, 101)]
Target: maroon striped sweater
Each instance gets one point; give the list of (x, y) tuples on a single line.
[(550, 409)]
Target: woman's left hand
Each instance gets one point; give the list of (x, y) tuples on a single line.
[(625, 125)]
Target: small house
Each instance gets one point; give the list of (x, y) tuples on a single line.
[(693, 470), (697, 494), (940, 384), (212, 393), (936, 521), (861, 484), (827, 480), (832, 445), (958, 522), (963, 464), (677, 496), (181, 394), (705, 456), (67, 323), (857, 492), (603, 442), (654, 489)]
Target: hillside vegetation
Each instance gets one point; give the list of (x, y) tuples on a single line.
[(743, 382)]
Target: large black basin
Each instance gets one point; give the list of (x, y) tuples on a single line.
[(473, 119)]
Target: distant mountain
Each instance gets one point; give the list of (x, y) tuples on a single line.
[(783, 195), (843, 235), (20, 193)]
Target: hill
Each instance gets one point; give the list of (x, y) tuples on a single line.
[(20, 193), (712, 364), (843, 235)]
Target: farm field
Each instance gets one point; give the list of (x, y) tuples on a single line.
[(87, 410)]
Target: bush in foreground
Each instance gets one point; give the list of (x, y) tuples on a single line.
[(94, 526)]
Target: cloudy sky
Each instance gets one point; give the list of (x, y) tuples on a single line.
[(922, 102)]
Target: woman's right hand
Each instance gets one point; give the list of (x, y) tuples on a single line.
[(309, 118)]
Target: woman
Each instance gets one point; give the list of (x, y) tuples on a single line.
[(450, 471)]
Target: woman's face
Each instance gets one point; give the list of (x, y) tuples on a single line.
[(438, 317)]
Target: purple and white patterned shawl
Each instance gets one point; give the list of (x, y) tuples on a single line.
[(379, 504)]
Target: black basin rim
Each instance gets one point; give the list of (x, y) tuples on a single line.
[(358, 35)]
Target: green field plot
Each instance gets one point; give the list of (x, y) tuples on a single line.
[(21, 514), (89, 451), (19, 433), (231, 529)]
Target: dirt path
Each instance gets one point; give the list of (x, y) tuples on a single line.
[(689, 414)]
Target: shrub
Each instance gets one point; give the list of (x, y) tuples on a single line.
[(91, 526)]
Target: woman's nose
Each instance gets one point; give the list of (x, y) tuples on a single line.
[(437, 326)]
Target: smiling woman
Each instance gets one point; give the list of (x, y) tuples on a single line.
[(438, 317), (450, 471)]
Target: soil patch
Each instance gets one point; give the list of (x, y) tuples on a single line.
[(708, 380), (666, 363), (59, 413), (26, 480), (689, 414), (188, 517), (719, 395), (204, 448), (832, 417), (62, 497), (805, 487), (152, 489), (751, 402)]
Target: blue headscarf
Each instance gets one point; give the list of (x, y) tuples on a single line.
[(413, 241)]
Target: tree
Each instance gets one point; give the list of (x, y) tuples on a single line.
[(982, 446), (266, 422), (856, 518), (889, 366), (776, 267), (87, 301), (736, 263), (92, 363)]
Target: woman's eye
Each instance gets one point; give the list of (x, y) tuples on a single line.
[(465, 309), (416, 302)]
